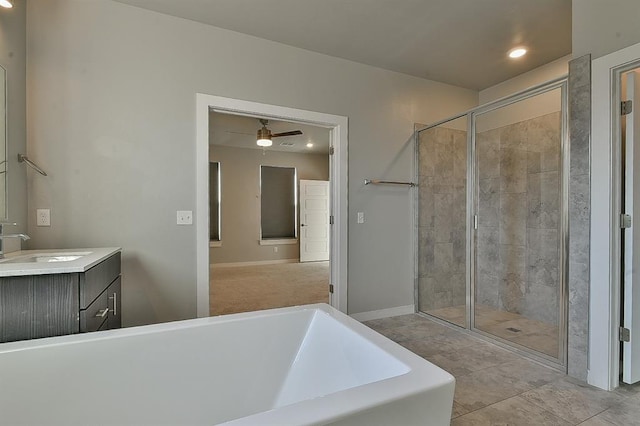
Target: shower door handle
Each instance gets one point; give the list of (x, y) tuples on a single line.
[(475, 221)]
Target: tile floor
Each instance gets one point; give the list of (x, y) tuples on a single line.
[(497, 387), (536, 335)]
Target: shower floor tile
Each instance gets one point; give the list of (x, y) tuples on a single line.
[(537, 335)]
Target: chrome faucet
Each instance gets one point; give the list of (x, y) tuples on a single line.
[(24, 237)]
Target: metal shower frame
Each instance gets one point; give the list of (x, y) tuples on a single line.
[(560, 362)]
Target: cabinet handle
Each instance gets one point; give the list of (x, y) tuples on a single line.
[(102, 313), (115, 304)]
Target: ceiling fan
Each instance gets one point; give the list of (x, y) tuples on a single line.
[(265, 135)]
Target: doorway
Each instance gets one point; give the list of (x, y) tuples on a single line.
[(269, 214), (606, 299), (629, 231), (315, 220), (337, 126)]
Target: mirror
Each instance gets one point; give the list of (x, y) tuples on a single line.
[(3, 144)]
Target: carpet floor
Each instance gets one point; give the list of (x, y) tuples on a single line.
[(236, 289)]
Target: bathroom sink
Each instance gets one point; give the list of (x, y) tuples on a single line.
[(46, 257)]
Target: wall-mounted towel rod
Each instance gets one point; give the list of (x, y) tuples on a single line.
[(23, 158), (386, 182)]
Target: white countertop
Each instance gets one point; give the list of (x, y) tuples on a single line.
[(94, 256)]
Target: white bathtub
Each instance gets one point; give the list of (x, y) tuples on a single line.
[(294, 366)]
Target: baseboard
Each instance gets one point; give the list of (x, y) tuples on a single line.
[(256, 263), (384, 313)]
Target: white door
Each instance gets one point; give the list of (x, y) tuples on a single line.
[(631, 316), (314, 220)]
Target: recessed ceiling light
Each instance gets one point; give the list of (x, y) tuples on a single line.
[(518, 52), (309, 145), (6, 3)]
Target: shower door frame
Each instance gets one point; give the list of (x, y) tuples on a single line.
[(472, 199)]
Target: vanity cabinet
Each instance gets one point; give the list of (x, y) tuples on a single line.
[(34, 306)]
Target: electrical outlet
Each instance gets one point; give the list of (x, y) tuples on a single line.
[(185, 217), (360, 217), (275, 249), (43, 217)]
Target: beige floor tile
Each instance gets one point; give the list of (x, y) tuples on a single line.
[(628, 390), (599, 421), (473, 358), (458, 410), (485, 387), (497, 387), (407, 327), (450, 366), (624, 412), (570, 399), (405, 321), (448, 341), (513, 412), (534, 374)]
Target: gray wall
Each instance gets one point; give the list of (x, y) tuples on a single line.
[(111, 112), (442, 210), (519, 217), (240, 171), (601, 27), (13, 57), (537, 76)]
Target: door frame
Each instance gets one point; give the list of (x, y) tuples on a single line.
[(338, 167), (604, 286)]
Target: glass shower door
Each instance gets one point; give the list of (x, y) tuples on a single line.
[(518, 285), (442, 221)]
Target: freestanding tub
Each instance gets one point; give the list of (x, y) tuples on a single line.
[(306, 365)]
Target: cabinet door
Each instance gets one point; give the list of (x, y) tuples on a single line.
[(36, 306), (92, 318), (115, 304), (95, 280)]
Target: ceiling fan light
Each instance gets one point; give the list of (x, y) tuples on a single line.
[(6, 4), (264, 137)]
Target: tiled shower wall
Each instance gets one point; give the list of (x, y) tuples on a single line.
[(518, 254), (442, 218), (519, 212), (579, 215)]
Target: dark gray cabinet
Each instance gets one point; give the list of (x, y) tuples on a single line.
[(34, 306)]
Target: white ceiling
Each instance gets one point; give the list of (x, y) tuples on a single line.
[(240, 132), (460, 42)]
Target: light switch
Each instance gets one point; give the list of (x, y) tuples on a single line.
[(185, 217), (360, 217), (43, 217)]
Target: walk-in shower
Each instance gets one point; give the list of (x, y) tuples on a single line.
[(492, 221)]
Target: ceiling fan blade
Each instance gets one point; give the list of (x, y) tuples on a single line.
[(239, 133), (291, 133)]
